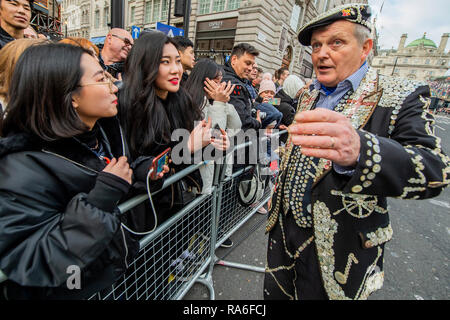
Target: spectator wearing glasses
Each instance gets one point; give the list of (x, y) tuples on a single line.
[(15, 16), (115, 51), (68, 154)]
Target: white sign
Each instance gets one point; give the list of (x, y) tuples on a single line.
[(262, 37)]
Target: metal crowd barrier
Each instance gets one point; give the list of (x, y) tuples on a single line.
[(181, 251)]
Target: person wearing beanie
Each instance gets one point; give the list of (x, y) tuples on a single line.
[(266, 104)]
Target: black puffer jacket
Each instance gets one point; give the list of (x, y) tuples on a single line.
[(48, 222), (240, 98)]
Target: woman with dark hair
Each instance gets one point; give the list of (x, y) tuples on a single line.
[(152, 105), (212, 95), (64, 169)]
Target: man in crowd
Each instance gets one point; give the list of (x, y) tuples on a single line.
[(257, 81), (15, 16), (186, 48), (30, 33), (237, 70), (281, 75), (358, 137), (118, 43), (249, 82)]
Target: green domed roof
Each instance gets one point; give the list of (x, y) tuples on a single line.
[(426, 42)]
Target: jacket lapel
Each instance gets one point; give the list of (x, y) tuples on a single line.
[(358, 108)]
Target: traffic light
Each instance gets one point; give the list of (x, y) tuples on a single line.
[(179, 8)]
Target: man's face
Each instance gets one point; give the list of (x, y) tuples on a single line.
[(336, 53), (284, 75), (243, 66), (253, 73), (120, 43), (258, 79), (15, 13), (188, 58)]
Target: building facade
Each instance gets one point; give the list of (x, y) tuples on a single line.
[(421, 59), (215, 26), (46, 17)]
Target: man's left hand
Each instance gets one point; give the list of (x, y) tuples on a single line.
[(323, 133)]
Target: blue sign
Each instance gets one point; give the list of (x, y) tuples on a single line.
[(169, 30), (135, 32)]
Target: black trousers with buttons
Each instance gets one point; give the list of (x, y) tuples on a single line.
[(292, 269)]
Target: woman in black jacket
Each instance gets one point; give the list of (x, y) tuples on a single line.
[(152, 106), (63, 170)]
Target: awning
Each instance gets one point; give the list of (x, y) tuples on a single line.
[(98, 40)]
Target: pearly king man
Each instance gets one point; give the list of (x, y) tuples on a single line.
[(358, 137)]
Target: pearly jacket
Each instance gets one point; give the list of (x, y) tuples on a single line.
[(400, 157)]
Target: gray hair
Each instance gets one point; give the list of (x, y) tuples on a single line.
[(361, 33)]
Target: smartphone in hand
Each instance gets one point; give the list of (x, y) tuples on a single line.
[(274, 101), (159, 162)]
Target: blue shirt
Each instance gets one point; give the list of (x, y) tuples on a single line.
[(251, 90), (330, 98)]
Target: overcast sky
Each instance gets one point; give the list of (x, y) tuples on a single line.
[(413, 17)]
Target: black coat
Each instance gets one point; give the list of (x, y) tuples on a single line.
[(47, 223), (240, 98), (399, 157)]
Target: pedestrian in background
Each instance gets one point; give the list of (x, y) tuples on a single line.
[(266, 104), (212, 95), (249, 82), (281, 75), (117, 46), (9, 56), (15, 17), (237, 70), (292, 88), (186, 48), (84, 43)]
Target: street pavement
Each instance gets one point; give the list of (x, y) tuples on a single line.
[(416, 260)]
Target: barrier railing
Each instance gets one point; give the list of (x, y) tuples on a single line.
[(181, 251)]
